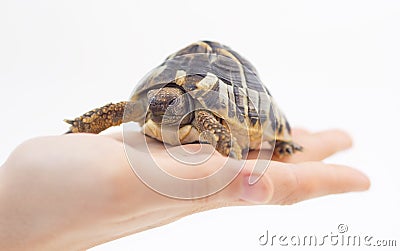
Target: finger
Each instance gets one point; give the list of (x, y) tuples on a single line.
[(281, 184), (137, 140), (116, 135), (299, 131), (119, 135), (239, 191), (294, 183), (318, 146), (287, 184), (199, 182)]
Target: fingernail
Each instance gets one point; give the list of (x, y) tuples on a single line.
[(255, 193)]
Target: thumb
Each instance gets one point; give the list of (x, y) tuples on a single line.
[(242, 190)]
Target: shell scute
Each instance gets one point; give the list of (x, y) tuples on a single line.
[(222, 81)]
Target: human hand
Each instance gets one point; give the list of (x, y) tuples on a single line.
[(77, 191)]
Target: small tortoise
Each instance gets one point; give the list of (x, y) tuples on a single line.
[(205, 92)]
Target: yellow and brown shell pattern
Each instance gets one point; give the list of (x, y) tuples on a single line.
[(223, 82)]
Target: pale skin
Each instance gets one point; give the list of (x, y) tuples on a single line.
[(77, 191)]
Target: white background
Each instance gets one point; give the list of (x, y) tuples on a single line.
[(329, 64)]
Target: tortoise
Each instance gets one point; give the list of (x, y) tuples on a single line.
[(205, 92)]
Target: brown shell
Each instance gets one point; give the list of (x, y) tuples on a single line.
[(222, 81)]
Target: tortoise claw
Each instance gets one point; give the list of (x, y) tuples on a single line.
[(71, 122), (283, 149)]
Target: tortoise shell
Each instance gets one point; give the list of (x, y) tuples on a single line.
[(223, 82)]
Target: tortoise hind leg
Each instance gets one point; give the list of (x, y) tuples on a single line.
[(284, 148), (216, 134), (99, 119)]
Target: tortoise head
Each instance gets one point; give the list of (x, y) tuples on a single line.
[(170, 105)]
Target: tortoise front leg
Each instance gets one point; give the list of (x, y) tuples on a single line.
[(216, 134), (99, 119)]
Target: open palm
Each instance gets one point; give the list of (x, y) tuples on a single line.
[(79, 190)]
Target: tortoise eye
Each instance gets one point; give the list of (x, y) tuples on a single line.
[(173, 102)]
